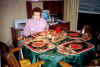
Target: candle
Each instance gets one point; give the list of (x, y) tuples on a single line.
[(58, 29)]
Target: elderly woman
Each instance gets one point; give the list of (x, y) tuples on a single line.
[(36, 23)]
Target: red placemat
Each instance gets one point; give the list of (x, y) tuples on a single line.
[(72, 51), (49, 47)]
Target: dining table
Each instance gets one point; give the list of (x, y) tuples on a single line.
[(52, 57)]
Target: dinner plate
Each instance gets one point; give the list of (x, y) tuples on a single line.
[(38, 44)]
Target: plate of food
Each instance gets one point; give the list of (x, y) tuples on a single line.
[(73, 48), (38, 44)]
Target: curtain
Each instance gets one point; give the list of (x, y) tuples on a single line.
[(71, 13)]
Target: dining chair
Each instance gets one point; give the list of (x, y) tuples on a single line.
[(64, 64), (11, 60), (3, 49)]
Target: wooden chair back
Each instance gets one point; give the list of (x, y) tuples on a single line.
[(11, 61)]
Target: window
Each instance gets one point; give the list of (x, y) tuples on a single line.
[(89, 6)]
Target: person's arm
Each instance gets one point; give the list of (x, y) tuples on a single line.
[(26, 29)]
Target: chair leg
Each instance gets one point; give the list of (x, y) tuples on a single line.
[(64, 64)]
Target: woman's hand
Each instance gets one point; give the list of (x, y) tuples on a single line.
[(47, 27)]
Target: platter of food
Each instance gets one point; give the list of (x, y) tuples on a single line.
[(73, 48)]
